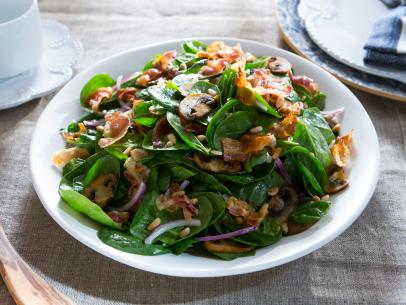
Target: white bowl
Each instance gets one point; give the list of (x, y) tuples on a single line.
[(346, 207)]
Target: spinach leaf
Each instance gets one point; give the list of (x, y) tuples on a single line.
[(217, 203), (180, 173), (313, 117), (124, 241), (206, 182), (116, 153), (142, 115), (310, 212), (203, 87), (96, 82), (188, 137), (193, 46), (83, 205), (286, 145), (259, 62), (131, 139), (104, 165), (217, 118), (227, 84), (301, 164), (196, 66), (233, 126), (163, 179), (183, 79), (167, 98), (311, 138), (71, 165), (145, 214), (264, 106), (255, 160), (183, 245)]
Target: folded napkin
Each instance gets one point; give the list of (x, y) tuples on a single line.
[(386, 46)]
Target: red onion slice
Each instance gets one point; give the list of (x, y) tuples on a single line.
[(118, 82), (135, 199), (336, 113), (283, 171), (169, 226), (184, 185), (94, 123), (228, 235)]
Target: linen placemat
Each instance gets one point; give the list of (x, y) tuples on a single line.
[(365, 265)]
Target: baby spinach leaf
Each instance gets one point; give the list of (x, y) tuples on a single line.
[(180, 173), (255, 160), (286, 145), (105, 165), (163, 178), (313, 117), (131, 139), (217, 203), (116, 153), (96, 82), (218, 117), (167, 98), (193, 46), (183, 79), (206, 182), (188, 137), (259, 62), (144, 216), (142, 115), (124, 241), (196, 66), (311, 138), (71, 165), (310, 212), (83, 205), (183, 245), (203, 87), (227, 84), (233, 126), (264, 106)]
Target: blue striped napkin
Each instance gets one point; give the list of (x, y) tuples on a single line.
[(386, 46)]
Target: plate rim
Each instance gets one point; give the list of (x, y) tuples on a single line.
[(346, 81), (192, 273)]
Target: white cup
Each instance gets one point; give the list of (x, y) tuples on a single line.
[(20, 36)]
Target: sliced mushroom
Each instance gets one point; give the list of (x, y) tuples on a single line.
[(337, 181), (216, 165), (290, 200), (279, 64), (100, 191), (296, 228), (226, 246), (196, 106)]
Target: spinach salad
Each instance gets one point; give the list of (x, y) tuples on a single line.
[(207, 148)]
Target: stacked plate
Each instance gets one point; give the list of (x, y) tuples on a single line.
[(332, 34)]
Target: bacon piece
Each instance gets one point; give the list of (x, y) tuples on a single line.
[(286, 127), (148, 76), (162, 63), (254, 144), (341, 149), (126, 94), (116, 127), (119, 217), (216, 165), (161, 129), (95, 99), (233, 150), (63, 157)]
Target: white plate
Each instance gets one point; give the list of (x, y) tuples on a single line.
[(341, 29), (346, 207), (61, 54)]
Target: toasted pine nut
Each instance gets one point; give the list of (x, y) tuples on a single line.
[(184, 232), (182, 66), (239, 220), (100, 128), (155, 223), (284, 227), (325, 197), (217, 152), (212, 92), (201, 137), (127, 150), (316, 198), (172, 138), (169, 144), (257, 129), (273, 191)]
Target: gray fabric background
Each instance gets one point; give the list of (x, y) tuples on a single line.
[(365, 265)]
